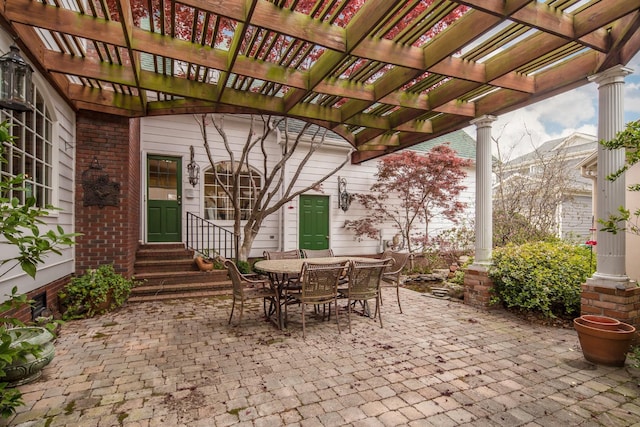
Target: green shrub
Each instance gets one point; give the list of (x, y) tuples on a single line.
[(545, 276), (243, 266), (95, 292), (458, 276), (426, 262)]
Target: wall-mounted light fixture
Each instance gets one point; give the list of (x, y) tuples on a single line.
[(344, 198), (193, 169), (15, 81)]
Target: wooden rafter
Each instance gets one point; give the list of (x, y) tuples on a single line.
[(380, 84)]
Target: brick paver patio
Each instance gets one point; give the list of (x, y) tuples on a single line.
[(440, 363)]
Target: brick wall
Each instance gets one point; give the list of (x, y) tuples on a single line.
[(23, 313), (622, 304), (477, 288), (110, 233)]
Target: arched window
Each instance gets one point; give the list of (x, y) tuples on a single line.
[(31, 154), (217, 204)]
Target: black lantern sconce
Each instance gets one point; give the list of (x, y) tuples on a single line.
[(344, 198), (193, 169), (15, 81)]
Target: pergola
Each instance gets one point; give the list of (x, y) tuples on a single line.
[(382, 74)]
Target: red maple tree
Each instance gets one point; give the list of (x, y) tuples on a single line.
[(410, 189)]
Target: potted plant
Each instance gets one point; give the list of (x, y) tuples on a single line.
[(95, 292), (208, 261), (204, 264), (29, 366), (604, 340), (28, 349)]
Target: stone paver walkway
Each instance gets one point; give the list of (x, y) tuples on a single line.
[(439, 364)]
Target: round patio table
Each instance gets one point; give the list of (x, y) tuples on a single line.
[(294, 266), (279, 269)]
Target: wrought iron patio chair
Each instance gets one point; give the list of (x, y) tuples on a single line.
[(286, 281), (365, 278), (391, 276), (245, 289), (317, 253), (319, 286), (292, 254)]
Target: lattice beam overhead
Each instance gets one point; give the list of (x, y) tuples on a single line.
[(383, 74)]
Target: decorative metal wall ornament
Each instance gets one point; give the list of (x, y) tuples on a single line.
[(15, 81), (193, 169), (98, 190), (344, 198)]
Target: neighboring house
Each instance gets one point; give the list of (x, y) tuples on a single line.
[(589, 169), (548, 181)]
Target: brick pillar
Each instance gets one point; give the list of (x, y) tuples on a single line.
[(620, 303), (110, 233), (477, 287)]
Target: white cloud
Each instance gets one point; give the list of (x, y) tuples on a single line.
[(522, 131), (632, 97), (569, 109)]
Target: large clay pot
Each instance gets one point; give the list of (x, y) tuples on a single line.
[(604, 346), (25, 371), (600, 322)]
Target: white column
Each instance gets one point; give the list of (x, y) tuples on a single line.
[(610, 270), (484, 199)]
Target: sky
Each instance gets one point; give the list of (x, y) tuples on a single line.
[(521, 131)]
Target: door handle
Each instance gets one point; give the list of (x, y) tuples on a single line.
[(179, 200)]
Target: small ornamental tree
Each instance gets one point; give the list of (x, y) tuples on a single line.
[(528, 193), (424, 186), (295, 158)]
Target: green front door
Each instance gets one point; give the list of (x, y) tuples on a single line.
[(164, 199), (314, 222)]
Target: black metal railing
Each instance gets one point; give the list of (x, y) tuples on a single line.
[(210, 240)]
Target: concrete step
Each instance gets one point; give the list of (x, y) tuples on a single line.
[(176, 277), (164, 253), (168, 271), (181, 295), (180, 290), (154, 265)]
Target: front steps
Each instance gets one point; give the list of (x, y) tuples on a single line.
[(168, 271)]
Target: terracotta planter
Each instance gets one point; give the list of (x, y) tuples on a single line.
[(604, 346), (204, 264), (27, 370), (600, 322)]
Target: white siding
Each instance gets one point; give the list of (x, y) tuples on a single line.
[(172, 135), (64, 141), (576, 220)]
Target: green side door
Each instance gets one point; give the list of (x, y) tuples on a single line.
[(164, 199), (314, 222)]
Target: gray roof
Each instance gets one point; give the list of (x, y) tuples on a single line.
[(459, 141), (549, 148)]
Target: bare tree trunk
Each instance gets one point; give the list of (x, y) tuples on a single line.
[(274, 191)]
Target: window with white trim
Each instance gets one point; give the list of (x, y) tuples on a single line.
[(217, 204), (31, 153)]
